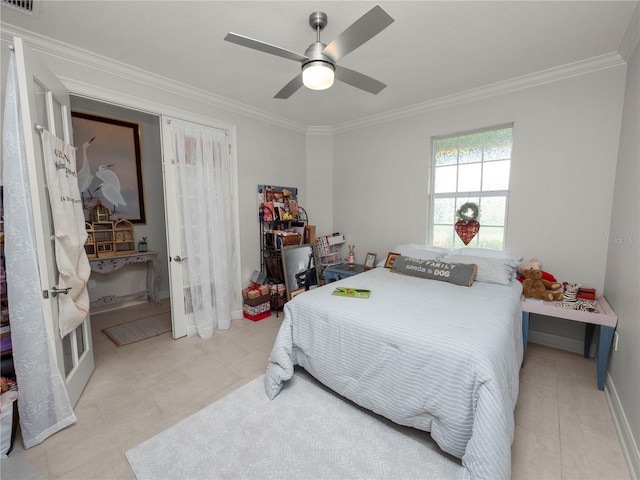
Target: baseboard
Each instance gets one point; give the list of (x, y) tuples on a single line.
[(623, 429), (559, 342)]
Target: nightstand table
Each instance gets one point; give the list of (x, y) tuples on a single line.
[(607, 319), (338, 272)]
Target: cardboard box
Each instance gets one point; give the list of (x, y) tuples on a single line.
[(255, 291), (257, 309), (252, 302), (309, 234), (250, 293), (335, 239), (255, 318)]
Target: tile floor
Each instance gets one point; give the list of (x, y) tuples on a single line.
[(564, 428)]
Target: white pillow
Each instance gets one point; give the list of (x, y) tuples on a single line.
[(421, 252), (496, 269), (485, 252)]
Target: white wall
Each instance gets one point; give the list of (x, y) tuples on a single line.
[(623, 272), (267, 155), (267, 151), (561, 187), (319, 204)]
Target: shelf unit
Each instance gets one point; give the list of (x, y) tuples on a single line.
[(327, 249), (271, 241)]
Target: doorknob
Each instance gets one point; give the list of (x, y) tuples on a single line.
[(55, 290), (178, 258)]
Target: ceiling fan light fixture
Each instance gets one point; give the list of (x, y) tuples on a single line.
[(318, 75)]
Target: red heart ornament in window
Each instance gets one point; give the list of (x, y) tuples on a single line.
[(467, 230), (467, 225)]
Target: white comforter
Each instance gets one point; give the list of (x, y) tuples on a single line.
[(427, 354)]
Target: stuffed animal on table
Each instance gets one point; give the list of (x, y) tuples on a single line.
[(534, 286), (535, 265), (539, 284)]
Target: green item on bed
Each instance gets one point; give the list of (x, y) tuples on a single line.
[(351, 292)]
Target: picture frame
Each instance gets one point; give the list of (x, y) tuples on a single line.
[(391, 259), (297, 292), (299, 267), (110, 165), (370, 261)]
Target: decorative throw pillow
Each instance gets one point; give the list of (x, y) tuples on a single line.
[(456, 273), (423, 252), (500, 270), (485, 252)]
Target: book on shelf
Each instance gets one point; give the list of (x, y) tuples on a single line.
[(351, 292)]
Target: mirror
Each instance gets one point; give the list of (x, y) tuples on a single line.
[(299, 268)]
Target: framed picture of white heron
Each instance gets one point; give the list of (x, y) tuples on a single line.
[(109, 165)]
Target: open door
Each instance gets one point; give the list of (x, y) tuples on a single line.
[(44, 101), (182, 315), (178, 275)]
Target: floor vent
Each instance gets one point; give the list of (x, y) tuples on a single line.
[(27, 6)]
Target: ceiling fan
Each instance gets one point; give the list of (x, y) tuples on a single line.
[(319, 60)]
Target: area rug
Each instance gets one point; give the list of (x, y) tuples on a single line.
[(140, 329), (306, 432)]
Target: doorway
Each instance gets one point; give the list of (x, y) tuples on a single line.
[(154, 229)]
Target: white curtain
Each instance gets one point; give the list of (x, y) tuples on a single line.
[(206, 189), (42, 397)]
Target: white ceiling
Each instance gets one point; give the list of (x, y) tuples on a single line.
[(433, 50)]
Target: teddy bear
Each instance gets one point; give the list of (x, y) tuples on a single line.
[(534, 286), (536, 265)]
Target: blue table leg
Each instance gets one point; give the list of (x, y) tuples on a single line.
[(604, 346), (589, 328), (525, 329)]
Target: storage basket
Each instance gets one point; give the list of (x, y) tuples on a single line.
[(332, 259), (323, 248), (327, 254), (290, 239)]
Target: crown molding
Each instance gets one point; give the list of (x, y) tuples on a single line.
[(74, 55), (631, 37), (551, 75), (319, 131)]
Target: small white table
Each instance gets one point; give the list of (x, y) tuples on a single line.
[(108, 265), (606, 318)]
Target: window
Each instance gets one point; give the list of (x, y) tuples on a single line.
[(471, 167)]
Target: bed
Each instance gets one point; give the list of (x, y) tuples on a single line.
[(432, 355)]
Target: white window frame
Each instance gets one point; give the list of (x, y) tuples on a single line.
[(463, 196)]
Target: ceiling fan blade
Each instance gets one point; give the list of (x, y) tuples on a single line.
[(362, 30), (290, 88), (359, 80), (264, 47)]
